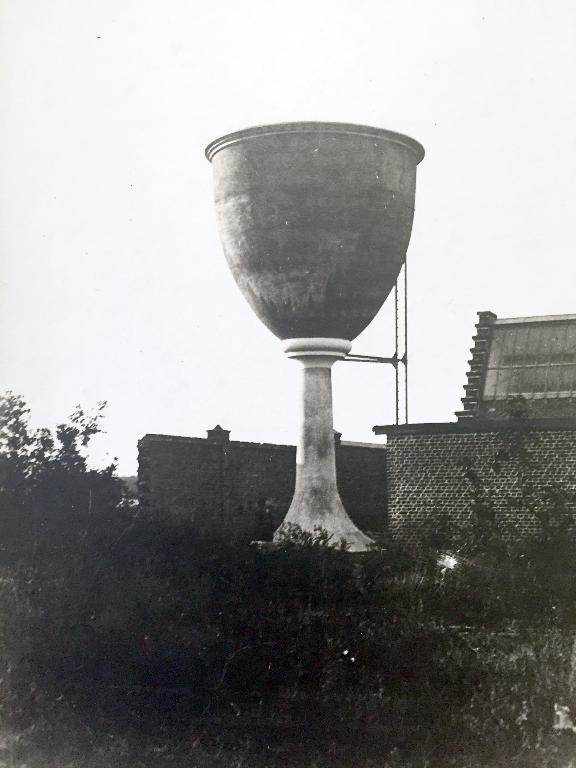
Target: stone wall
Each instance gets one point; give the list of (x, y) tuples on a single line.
[(243, 490), (435, 473)]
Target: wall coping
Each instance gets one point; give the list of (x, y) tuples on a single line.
[(560, 424), (369, 446), (158, 438)]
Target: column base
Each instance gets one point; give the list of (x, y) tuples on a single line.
[(335, 522), (316, 504)]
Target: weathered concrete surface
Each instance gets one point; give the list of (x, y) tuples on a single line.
[(315, 220), (316, 502)]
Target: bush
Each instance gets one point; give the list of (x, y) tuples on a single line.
[(137, 624), (170, 630)]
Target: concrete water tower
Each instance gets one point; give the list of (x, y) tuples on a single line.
[(315, 220)]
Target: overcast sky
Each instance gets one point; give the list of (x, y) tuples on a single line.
[(113, 283)]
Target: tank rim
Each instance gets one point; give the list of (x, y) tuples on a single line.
[(314, 127)]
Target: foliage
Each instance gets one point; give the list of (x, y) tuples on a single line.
[(503, 572), (137, 641), (49, 498), (305, 651)]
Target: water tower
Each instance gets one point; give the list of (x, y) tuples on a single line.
[(315, 220)]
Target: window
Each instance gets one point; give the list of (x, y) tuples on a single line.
[(532, 358)]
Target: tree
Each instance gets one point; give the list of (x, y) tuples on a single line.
[(49, 498)]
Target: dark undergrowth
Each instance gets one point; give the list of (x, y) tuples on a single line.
[(160, 648), (129, 641)]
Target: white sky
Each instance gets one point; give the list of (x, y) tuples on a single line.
[(113, 283)]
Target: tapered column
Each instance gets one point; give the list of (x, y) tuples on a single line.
[(316, 501)]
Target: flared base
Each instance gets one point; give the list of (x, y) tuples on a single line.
[(316, 506), (334, 521)]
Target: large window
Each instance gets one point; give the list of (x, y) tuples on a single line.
[(533, 358)]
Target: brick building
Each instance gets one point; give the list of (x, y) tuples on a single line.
[(515, 436), (429, 470), (533, 358), (516, 430)]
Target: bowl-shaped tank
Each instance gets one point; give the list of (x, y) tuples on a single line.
[(315, 221)]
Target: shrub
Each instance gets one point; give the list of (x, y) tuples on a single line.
[(133, 621)]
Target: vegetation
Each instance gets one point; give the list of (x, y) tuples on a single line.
[(127, 641)]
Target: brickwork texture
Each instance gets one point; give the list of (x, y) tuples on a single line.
[(436, 473)]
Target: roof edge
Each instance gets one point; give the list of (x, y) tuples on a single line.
[(160, 438), (471, 425)]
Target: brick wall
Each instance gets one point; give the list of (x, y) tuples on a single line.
[(243, 490), (428, 471)]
